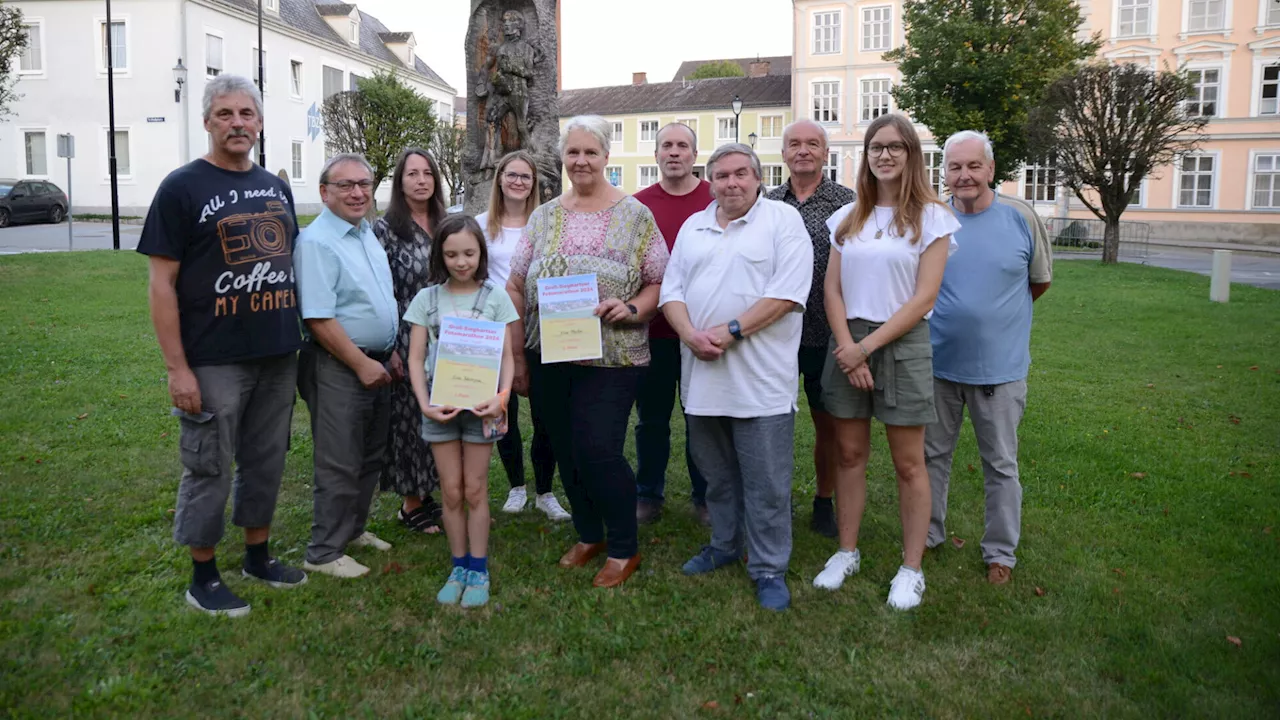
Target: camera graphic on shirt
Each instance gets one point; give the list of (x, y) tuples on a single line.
[(250, 237)]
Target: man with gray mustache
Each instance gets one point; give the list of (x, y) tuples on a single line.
[(220, 235)]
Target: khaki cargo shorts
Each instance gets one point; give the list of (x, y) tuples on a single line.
[(903, 373)]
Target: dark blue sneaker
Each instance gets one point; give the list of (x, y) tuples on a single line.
[(772, 592), (276, 574), (215, 598), (707, 560)]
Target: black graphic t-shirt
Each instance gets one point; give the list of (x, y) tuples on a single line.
[(233, 234)]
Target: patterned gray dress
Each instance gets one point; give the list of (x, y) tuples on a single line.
[(411, 470)]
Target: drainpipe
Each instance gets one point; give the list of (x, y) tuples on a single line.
[(184, 138)]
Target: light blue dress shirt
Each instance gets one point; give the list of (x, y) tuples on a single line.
[(342, 272)]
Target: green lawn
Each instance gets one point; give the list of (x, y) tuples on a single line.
[(1152, 515)]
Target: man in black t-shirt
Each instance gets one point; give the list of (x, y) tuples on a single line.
[(220, 236)]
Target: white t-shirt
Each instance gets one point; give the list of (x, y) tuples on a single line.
[(878, 276), (719, 274), (500, 250)]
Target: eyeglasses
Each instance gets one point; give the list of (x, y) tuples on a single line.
[(346, 186), (514, 178), (895, 149)]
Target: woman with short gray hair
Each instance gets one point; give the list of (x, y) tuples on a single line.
[(594, 228)]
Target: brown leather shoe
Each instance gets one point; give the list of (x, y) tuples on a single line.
[(998, 574), (703, 514), (581, 554), (614, 573), (648, 513)]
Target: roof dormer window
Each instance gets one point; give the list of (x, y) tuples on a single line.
[(355, 31), (272, 5)]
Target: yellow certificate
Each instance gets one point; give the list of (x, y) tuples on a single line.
[(567, 323)]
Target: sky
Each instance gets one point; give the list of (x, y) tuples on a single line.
[(605, 41)]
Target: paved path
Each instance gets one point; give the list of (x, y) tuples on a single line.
[(1246, 268), (47, 238)]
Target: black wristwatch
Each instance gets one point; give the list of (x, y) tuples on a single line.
[(633, 309), (735, 329)]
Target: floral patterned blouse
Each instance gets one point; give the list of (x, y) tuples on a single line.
[(621, 245)]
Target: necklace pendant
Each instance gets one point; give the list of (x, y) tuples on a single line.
[(879, 234)]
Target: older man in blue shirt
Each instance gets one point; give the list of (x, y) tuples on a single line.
[(344, 374)]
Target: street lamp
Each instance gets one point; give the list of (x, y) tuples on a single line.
[(180, 77), (752, 137), (736, 106)]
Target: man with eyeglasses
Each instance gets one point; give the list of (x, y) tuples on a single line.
[(677, 196), (349, 308)]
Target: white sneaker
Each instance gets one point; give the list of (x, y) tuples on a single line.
[(548, 504), (516, 500), (368, 539), (343, 567), (906, 589), (841, 565)]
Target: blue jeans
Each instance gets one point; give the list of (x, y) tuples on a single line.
[(654, 404)]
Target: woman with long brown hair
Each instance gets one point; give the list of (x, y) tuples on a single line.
[(889, 249), (417, 206), (512, 198)]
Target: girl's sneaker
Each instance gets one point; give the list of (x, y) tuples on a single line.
[(477, 592), (516, 500), (453, 587), (548, 504), (906, 589)]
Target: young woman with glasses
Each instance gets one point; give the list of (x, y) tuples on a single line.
[(888, 252)]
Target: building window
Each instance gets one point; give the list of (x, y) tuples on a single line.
[(832, 168), (1203, 100), (826, 102), (1266, 181), (354, 82), (771, 126), (212, 55), (614, 174), (37, 158), (115, 39), (727, 129), (876, 23), (826, 32), (1270, 90), (1135, 18), (937, 173), (874, 99), (32, 60), (295, 78), (1040, 183), (273, 5), (1273, 13), (355, 33), (1195, 184), (648, 130), (648, 175), (123, 167), (772, 175), (332, 81), (1204, 15), (616, 135), (295, 161), (691, 123), (1137, 198), (259, 57)]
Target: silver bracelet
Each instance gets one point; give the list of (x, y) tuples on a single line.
[(863, 349)]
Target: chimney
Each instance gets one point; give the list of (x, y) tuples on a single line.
[(759, 68), (639, 78)]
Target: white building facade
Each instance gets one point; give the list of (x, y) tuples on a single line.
[(310, 52)]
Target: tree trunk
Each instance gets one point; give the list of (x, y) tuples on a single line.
[(1111, 242)]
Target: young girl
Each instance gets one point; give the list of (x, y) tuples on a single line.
[(512, 198), (889, 249), (459, 286)]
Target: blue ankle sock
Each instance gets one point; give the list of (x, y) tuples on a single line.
[(462, 562), (480, 564)]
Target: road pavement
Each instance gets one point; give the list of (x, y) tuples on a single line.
[(1260, 270), (43, 237)]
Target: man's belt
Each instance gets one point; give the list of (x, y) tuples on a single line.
[(379, 355)]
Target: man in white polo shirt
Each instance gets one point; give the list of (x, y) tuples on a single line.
[(734, 291)]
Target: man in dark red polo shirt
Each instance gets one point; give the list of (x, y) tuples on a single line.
[(677, 195)]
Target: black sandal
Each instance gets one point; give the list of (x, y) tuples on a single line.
[(421, 519)]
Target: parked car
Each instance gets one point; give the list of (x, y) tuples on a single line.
[(31, 201)]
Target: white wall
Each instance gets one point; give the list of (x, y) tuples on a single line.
[(71, 95)]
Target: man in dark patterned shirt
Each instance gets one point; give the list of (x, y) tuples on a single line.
[(817, 197)]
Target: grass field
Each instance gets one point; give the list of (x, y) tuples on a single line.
[(1147, 583)]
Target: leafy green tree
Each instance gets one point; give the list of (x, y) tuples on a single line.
[(984, 64), (379, 119), (1107, 126), (717, 69), (13, 40)]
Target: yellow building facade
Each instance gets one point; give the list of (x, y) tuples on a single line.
[(636, 112), (1230, 189)]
